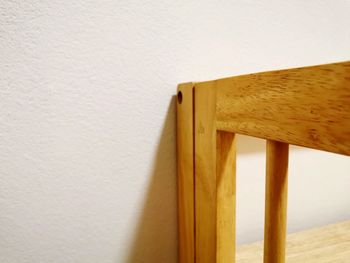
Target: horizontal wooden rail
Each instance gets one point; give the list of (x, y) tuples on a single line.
[(304, 106)]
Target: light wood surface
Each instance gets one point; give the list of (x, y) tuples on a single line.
[(305, 106), (327, 244), (276, 201), (205, 174), (185, 161), (226, 197)]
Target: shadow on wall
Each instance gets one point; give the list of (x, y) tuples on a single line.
[(155, 238), (249, 145)]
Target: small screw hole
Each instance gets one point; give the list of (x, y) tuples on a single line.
[(179, 97)]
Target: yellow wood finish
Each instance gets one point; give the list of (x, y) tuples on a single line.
[(276, 201), (327, 244), (304, 106), (185, 153), (205, 174), (226, 197)]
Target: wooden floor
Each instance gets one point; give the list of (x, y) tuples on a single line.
[(330, 243)]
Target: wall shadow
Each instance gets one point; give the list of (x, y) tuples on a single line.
[(248, 145), (155, 239)]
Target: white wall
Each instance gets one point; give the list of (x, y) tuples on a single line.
[(87, 138)]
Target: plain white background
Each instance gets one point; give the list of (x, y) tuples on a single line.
[(87, 119)]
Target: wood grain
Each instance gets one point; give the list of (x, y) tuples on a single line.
[(326, 244), (185, 168), (304, 106), (226, 197), (205, 173), (276, 201)]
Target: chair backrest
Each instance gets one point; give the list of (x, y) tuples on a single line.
[(307, 106)]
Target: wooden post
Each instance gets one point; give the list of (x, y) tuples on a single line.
[(215, 182), (185, 169), (205, 173), (276, 201)]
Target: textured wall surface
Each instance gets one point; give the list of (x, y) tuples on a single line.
[(87, 138)]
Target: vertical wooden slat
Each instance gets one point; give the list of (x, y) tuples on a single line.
[(226, 197), (205, 173), (185, 168), (276, 201)]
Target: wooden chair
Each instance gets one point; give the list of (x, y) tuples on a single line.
[(307, 106)]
